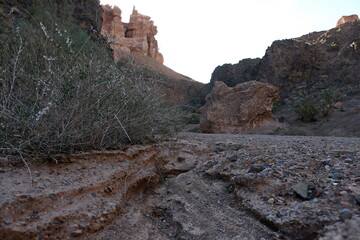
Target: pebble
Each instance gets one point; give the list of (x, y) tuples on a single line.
[(7, 220), (357, 199), (180, 159), (232, 158), (37, 173), (343, 192), (76, 233), (56, 223), (172, 235), (345, 213), (95, 226), (301, 189), (315, 200), (271, 200), (258, 168), (335, 176)]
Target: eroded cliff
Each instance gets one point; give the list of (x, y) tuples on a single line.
[(137, 36)]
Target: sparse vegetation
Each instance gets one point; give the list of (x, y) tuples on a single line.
[(306, 109), (61, 93)]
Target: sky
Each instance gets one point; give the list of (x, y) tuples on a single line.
[(196, 36)]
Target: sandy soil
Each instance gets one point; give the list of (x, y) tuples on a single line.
[(197, 186)]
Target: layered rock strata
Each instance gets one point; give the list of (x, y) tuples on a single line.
[(135, 37)]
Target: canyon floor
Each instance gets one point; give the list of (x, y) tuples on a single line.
[(195, 186)]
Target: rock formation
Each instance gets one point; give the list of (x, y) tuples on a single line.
[(238, 109), (345, 19), (135, 37), (315, 60)]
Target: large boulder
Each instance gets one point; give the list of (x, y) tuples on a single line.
[(238, 109)]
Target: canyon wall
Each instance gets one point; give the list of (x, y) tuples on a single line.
[(318, 59)]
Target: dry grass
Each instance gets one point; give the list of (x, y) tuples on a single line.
[(61, 93)]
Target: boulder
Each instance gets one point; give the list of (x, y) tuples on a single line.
[(238, 109)]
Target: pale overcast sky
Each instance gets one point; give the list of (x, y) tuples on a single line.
[(195, 36)]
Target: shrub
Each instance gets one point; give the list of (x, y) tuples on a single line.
[(61, 93), (306, 110)]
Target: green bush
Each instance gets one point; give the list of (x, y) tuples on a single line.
[(306, 109), (61, 93)]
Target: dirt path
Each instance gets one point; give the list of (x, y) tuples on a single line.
[(194, 187)]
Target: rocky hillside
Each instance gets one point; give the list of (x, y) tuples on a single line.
[(136, 39), (129, 42), (328, 58), (315, 65)]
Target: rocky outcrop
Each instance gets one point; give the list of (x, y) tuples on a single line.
[(137, 36), (288, 63), (316, 60), (233, 74), (345, 19), (238, 109)]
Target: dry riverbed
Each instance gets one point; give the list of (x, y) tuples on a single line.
[(197, 186)]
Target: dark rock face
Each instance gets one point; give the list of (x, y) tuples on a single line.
[(320, 58), (288, 63), (232, 74)]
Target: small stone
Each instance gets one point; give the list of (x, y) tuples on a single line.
[(52, 196), (271, 200), (343, 192), (232, 158), (301, 189), (315, 200), (345, 213), (95, 227), (172, 235), (258, 168), (231, 188), (345, 204), (76, 233), (335, 176), (82, 226), (180, 159), (108, 189), (357, 199), (93, 194), (56, 223), (338, 105), (7, 220)]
